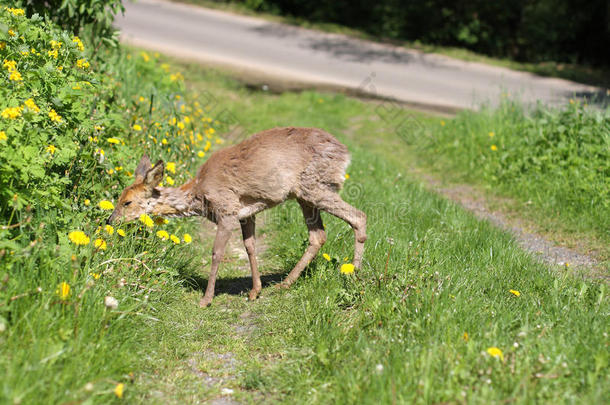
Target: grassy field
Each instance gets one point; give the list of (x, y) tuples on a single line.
[(439, 290), (445, 308)]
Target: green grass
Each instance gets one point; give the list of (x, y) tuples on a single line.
[(394, 331), (552, 163), (579, 73), (322, 341)]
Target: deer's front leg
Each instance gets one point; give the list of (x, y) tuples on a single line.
[(222, 236)]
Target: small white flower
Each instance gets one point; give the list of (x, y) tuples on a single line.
[(110, 302), (379, 368), (226, 391)]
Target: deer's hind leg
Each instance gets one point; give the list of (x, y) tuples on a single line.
[(331, 202), (248, 231), (317, 237)]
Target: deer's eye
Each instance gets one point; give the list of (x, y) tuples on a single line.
[(126, 203)]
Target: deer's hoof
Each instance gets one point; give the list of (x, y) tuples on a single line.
[(205, 302), (253, 295)]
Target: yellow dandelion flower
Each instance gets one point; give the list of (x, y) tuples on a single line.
[(53, 53), (100, 244), (163, 235), (169, 180), (15, 76), (175, 239), (347, 268), (492, 134), (515, 293), (12, 33), (9, 65), (187, 238), (494, 148), (201, 153), (465, 336), (106, 205), (79, 238), (51, 149), (120, 232), (31, 105), (118, 390), (63, 290), (109, 229), (3, 136), (442, 123), (113, 140), (346, 176), (137, 127), (82, 63), (144, 56), (87, 202), (54, 116), (16, 11), (11, 113), (207, 146), (95, 275), (495, 352), (327, 257), (79, 43), (146, 220), (56, 44), (164, 141), (171, 167)]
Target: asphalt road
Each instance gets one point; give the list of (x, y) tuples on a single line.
[(281, 52)]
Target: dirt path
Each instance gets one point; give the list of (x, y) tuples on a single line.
[(545, 250)]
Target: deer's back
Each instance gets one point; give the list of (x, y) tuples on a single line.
[(274, 165)]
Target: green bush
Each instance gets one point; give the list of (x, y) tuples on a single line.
[(72, 130), (92, 18)]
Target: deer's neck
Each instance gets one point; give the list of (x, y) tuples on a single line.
[(177, 202)]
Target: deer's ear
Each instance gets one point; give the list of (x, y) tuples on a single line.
[(154, 176), (143, 168)]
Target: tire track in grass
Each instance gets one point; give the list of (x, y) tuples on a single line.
[(542, 248)]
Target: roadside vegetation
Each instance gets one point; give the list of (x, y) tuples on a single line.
[(446, 308), (554, 162), (73, 292)]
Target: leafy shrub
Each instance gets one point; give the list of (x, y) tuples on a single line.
[(82, 17), (72, 131)]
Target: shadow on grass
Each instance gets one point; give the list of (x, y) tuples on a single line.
[(242, 285), (232, 285)]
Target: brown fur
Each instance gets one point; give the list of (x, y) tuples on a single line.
[(306, 164)]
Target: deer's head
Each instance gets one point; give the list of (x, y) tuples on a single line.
[(140, 197)]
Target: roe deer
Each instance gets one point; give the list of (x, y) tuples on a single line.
[(237, 182)]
